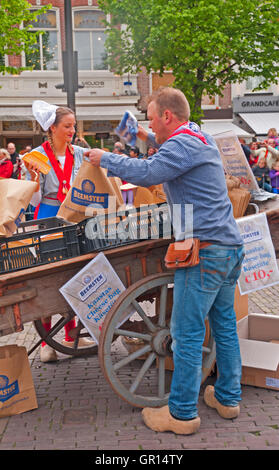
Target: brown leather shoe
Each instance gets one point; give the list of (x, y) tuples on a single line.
[(227, 412), (160, 419)]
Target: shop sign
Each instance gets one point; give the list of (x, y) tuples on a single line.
[(258, 103), (93, 83), (17, 126), (97, 126)]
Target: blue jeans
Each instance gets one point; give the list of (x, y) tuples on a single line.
[(205, 290)]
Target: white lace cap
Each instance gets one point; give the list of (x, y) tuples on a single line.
[(44, 113)]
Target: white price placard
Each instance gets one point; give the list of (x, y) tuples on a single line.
[(234, 160), (92, 292), (259, 268)]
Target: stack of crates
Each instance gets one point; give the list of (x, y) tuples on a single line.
[(44, 241), (38, 242), (129, 226)]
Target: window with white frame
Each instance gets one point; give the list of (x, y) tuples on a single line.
[(44, 53), (253, 82), (89, 39)]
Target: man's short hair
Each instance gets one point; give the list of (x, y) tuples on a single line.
[(172, 99)]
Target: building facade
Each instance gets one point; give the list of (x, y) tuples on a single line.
[(100, 102), (103, 97)]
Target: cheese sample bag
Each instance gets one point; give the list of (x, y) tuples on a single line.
[(90, 194)]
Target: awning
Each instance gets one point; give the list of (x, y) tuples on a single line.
[(16, 114), (83, 113), (216, 126), (261, 122), (113, 113)]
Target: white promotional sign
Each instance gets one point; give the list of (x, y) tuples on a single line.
[(259, 268), (92, 292), (234, 160)]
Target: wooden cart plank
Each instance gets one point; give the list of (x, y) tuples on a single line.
[(143, 259), (79, 261)]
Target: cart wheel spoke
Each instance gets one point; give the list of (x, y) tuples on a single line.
[(146, 365), (163, 306), (55, 336), (143, 377), (58, 326), (161, 377), (132, 334), (132, 357), (151, 327)]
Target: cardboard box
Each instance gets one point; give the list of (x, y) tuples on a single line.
[(259, 346)]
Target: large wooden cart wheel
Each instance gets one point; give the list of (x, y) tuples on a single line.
[(140, 373), (55, 336)]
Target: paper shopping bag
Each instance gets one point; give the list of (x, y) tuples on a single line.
[(17, 391), (90, 194), (15, 196)]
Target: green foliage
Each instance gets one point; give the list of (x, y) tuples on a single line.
[(206, 43), (15, 34)]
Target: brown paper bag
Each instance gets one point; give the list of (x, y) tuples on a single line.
[(240, 198), (17, 392), (91, 187), (116, 183), (15, 196)]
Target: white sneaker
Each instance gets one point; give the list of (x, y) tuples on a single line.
[(48, 354)]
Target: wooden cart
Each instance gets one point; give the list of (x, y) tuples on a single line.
[(135, 357)]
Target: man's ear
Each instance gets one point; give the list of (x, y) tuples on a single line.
[(167, 116)]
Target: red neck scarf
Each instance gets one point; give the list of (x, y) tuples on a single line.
[(63, 175), (190, 128)]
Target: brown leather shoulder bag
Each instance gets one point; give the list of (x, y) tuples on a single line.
[(184, 254)]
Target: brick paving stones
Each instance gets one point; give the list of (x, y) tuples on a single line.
[(77, 409)]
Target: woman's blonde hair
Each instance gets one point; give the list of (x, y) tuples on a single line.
[(60, 113), (6, 153), (275, 163), (274, 131)]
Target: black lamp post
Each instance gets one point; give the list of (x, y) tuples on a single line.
[(70, 60), (69, 63)]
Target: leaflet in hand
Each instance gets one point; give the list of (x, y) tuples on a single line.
[(128, 128)]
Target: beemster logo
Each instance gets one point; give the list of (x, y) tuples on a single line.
[(92, 286), (7, 390), (86, 195)]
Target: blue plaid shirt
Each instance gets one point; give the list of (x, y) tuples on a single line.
[(193, 176)]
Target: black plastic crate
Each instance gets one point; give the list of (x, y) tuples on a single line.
[(103, 232), (39, 242)]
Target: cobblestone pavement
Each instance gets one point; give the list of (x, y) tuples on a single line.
[(77, 409)]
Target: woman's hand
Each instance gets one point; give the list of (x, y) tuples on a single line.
[(94, 156), (34, 173)]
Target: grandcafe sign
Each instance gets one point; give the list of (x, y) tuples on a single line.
[(258, 103)]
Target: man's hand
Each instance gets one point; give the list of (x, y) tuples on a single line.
[(94, 156), (142, 133)]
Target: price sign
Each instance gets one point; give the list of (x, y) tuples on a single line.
[(92, 292), (234, 160), (259, 268)]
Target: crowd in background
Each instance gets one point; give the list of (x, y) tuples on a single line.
[(263, 157)]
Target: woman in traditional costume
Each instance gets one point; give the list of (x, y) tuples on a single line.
[(65, 160)]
